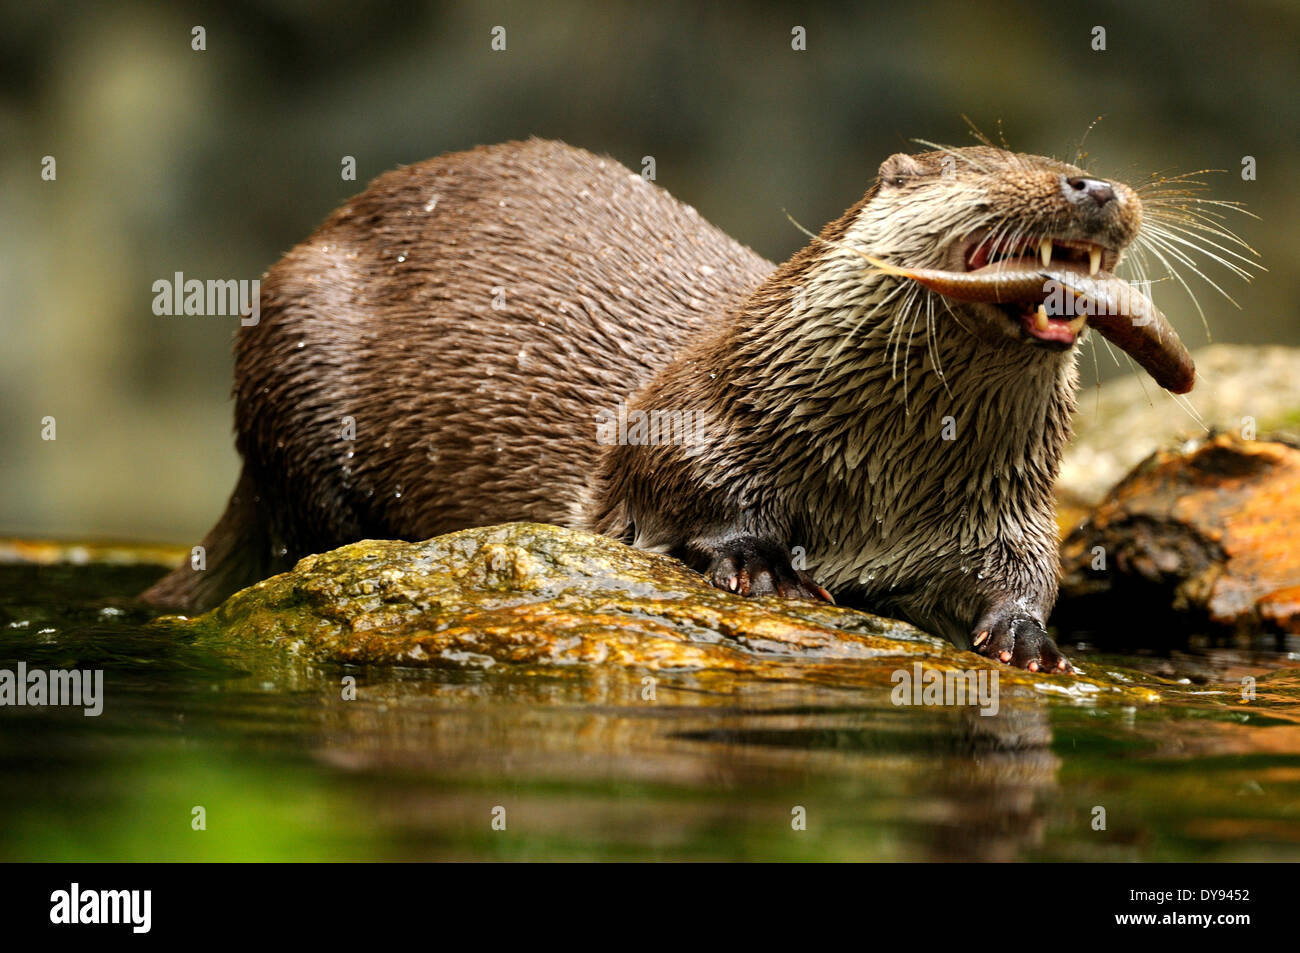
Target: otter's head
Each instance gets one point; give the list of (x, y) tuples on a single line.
[(1021, 249), (966, 209)]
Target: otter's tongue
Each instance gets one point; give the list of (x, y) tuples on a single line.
[(1120, 313), (1054, 328), (1046, 312)]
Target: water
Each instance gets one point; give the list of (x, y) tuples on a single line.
[(585, 767)]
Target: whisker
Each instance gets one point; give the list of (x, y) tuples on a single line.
[(1167, 243), (954, 152), (1096, 370), (1238, 270), (845, 339), (894, 341), (1186, 404), (1111, 351), (1186, 203), (907, 360), (1150, 245), (1078, 150), (1141, 381), (932, 340), (1196, 221)]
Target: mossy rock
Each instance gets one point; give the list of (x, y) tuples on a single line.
[(527, 595)]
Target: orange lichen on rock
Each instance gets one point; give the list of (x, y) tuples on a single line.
[(536, 597), (1210, 529)]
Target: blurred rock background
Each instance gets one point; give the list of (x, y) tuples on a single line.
[(213, 163)]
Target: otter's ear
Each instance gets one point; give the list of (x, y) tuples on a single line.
[(898, 168)]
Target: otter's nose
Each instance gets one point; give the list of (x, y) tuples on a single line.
[(1093, 191)]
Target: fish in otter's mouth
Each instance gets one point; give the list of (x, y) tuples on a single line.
[(1052, 287), (1040, 316)]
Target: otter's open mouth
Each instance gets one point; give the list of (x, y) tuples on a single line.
[(1039, 318), (1052, 288)]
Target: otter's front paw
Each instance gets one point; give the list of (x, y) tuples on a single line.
[(755, 567), (1018, 640)]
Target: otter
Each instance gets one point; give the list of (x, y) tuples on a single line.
[(481, 337)]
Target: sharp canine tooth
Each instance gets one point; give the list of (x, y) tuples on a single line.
[(1040, 319), (1045, 251), (1094, 259)]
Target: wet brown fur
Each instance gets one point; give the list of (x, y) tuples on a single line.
[(822, 429)]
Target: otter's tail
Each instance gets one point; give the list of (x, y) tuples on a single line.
[(236, 553)]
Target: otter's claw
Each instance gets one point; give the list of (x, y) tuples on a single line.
[(1018, 640), (753, 567)]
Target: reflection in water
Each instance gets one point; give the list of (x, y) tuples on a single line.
[(603, 764)]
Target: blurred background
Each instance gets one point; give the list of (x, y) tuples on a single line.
[(214, 163)]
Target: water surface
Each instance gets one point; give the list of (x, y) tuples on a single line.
[(586, 766)]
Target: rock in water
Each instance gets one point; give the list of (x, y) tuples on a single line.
[(1125, 420), (532, 593), (1202, 536), (541, 598)]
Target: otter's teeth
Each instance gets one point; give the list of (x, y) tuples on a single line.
[(1040, 319), (1094, 259), (1045, 251), (1076, 326)]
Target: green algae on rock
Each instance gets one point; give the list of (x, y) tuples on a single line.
[(532, 595)]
